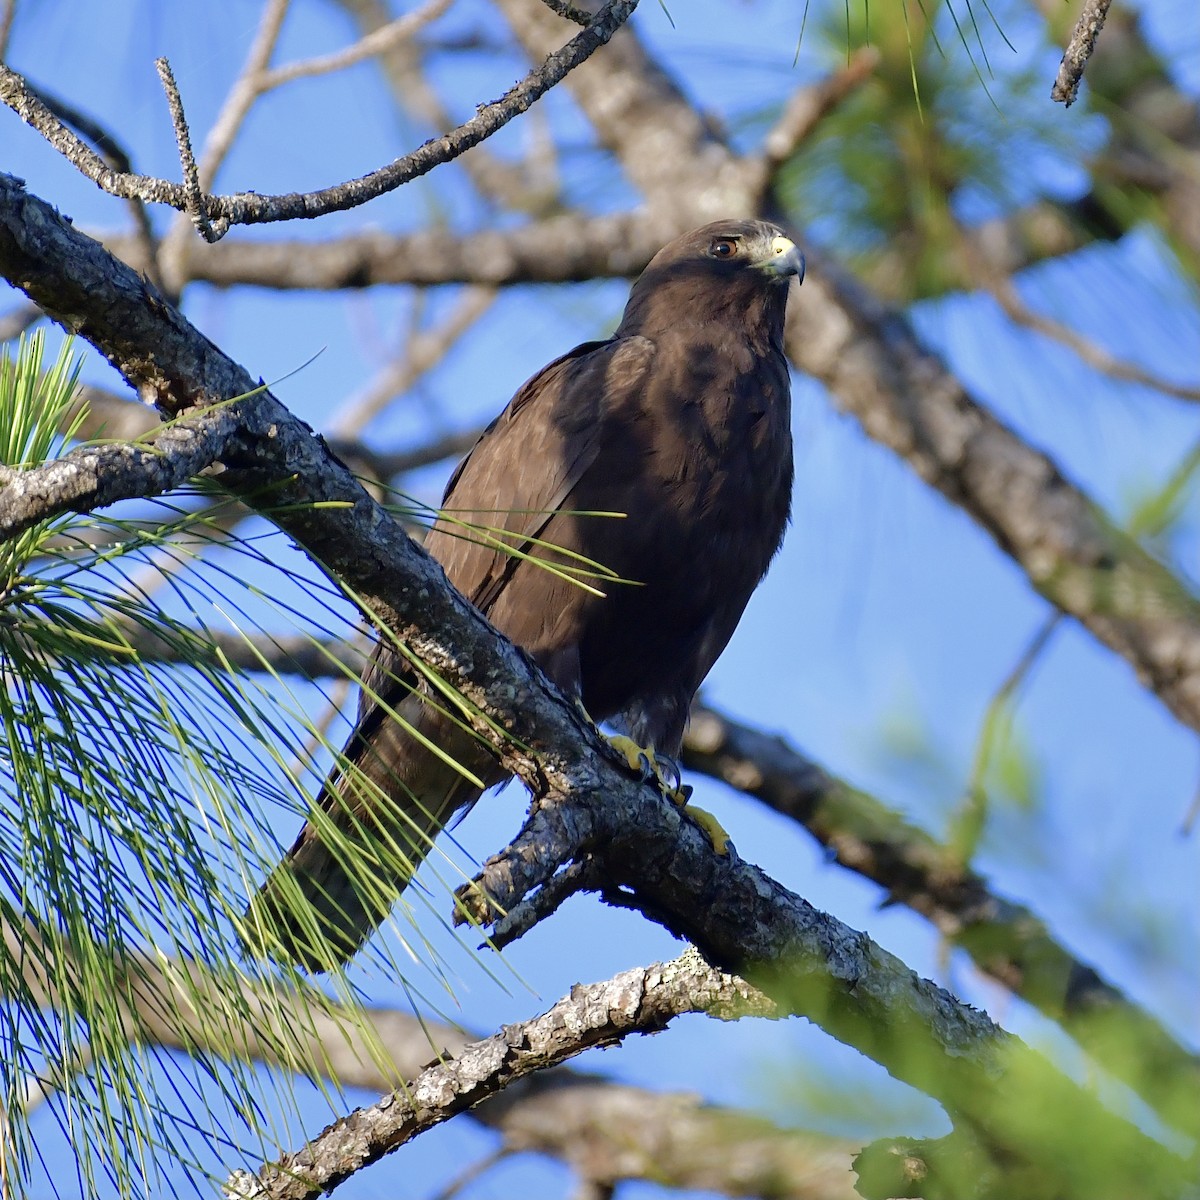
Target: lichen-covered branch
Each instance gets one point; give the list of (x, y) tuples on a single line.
[(604, 1129), (1079, 50), (1004, 939), (644, 1000), (93, 476)]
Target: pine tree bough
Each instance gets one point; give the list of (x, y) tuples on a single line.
[(584, 800)]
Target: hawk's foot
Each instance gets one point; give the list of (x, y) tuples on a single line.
[(665, 772), (643, 760)]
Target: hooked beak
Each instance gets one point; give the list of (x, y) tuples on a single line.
[(782, 259)]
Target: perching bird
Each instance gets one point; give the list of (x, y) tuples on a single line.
[(679, 421)]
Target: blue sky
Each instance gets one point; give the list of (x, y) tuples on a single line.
[(889, 618)]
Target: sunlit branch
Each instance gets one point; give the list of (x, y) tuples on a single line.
[(644, 1000), (93, 476), (1004, 939), (253, 208), (807, 108), (423, 350), (556, 1111), (1088, 351), (497, 179), (1079, 50)]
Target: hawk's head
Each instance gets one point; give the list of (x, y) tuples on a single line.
[(729, 271)]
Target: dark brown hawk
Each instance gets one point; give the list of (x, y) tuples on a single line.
[(679, 421)]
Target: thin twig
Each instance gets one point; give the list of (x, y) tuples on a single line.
[(1085, 349), (379, 41), (247, 208), (967, 822), (1079, 50), (196, 204), (117, 157), (498, 180), (471, 1172), (223, 132), (809, 106)]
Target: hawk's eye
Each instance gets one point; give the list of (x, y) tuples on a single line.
[(723, 248)]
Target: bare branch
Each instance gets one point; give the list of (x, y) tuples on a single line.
[(388, 465), (252, 208), (674, 1139), (93, 476), (1085, 349), (576, 877), (1079, 50), (571, 247), (568, 11), (807, 108), (1005, 940), (644, 1000), (423, 351), (379, 41), (497, 179), (196, 207)]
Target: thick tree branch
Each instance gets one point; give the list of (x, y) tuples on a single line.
[(568, 248), (1005, 940), (1073, 555), (248, 208), (584, 800)]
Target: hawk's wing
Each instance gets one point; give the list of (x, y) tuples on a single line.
[(530, 459)]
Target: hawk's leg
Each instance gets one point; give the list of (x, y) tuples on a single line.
[(665, 772)]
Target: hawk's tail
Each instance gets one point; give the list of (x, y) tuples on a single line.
[(376, 818)]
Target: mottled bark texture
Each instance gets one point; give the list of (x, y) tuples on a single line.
[(643, 1000)]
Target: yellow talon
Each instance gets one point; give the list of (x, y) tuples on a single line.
[(643, 760), (713, 829)]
